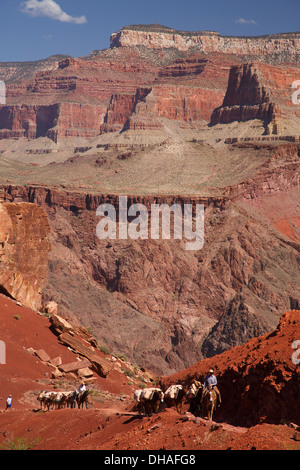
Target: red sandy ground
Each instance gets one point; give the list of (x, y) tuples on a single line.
[(107, 425)]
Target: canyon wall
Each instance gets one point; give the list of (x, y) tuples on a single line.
[(24, 249), (184, 305), (259, 91), (181, 305), (158, 37), (152, 72)]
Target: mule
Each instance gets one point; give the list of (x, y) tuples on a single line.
[(151, 400), (194, 397), (137, 398), (209, 402), (72, 400), (175, 396), (83, 398)]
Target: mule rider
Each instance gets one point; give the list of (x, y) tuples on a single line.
[(211, 382), (81, 388)]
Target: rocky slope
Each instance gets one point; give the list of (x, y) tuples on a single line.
[(14, 72), (259, 381)]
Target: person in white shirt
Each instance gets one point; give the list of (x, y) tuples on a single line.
[(81, 388), (9, 402)]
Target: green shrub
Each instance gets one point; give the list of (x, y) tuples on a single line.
[(122, 357), (20, 443), (104, 349), (129, 373)]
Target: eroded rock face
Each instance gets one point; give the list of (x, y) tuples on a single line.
[(159, 37), (183, 305), (151, 72), (259, 91), (162, 306), (114, 90), (73, 99), (24, 249)]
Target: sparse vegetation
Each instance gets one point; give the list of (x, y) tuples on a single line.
[(129, 373), (104, 349), (19, 443), (122, 357)]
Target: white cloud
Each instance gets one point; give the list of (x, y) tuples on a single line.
[(243, 21), (50, 9)]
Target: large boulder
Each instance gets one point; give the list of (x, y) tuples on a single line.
[(60, 325)]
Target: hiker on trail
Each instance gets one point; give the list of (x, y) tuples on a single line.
[(8, 402), (211, 382)]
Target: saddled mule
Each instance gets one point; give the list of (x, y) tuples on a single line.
[(194, 397), (209, 401), (82, 399), (175, 395), (137, 397), (72, 399), (151, 398)]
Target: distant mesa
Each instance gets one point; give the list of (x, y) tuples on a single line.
[(157, 36)]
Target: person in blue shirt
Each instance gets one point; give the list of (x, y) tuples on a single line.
[(211, 381)]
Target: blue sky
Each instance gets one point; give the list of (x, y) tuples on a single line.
[(36, 29)]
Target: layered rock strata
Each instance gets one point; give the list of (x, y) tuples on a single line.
[(160, 37), (259, 91), (156, 73)]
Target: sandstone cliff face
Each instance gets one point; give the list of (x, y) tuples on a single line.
[(113, 90), (259, 91), (27, 121), (24, 249), (73, 99), (281, 45), (106, 91), (187, 91)]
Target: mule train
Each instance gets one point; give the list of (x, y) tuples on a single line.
[(201, 401), (59, 400)]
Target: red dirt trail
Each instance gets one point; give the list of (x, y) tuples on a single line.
[(111, 423)]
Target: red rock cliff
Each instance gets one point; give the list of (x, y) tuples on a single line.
[(258, 91), (24, 248)]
